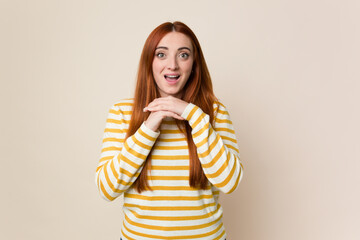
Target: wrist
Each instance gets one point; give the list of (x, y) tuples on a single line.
[(150, 127)]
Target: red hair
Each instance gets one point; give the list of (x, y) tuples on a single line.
[(198, 90)]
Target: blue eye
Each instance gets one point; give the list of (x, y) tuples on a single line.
[(184, 55), (160, 55)]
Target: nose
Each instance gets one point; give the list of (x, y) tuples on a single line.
[(172, 63)]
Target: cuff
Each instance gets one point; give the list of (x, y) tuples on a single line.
[(146, 135), (195, 116), (189, 111)]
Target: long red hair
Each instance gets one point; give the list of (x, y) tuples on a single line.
[(198, 90)]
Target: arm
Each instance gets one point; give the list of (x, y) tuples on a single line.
[(121, 161), (217, 147)]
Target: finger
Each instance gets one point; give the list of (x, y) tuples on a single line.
[(170, 114), (169, 103), (162, 104), (177, 116), (154, 102), (159, 101), (157, 108), (152, 106)]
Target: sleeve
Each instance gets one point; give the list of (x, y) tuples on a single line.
[(121, 161), (216, 147)]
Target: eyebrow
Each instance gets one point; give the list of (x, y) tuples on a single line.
[(166, 48)]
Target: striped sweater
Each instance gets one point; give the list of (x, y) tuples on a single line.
[(173, 209)]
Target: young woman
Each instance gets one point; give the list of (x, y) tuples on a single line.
[(171, 149)]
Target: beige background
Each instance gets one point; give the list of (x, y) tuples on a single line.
[(288, 71)]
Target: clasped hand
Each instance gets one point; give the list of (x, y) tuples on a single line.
[(164, 107)]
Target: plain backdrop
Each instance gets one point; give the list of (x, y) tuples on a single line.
[(288, 72)]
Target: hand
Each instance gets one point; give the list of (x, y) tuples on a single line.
[(169, 103), (164, 107)]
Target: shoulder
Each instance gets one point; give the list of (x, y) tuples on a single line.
[(122, 107), (219, 107), (124, 104)]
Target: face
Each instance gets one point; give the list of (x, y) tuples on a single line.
[(172, 64)]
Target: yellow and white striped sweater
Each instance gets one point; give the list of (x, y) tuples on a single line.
[(173, 210)]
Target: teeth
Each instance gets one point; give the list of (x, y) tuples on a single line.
[(172, 76)]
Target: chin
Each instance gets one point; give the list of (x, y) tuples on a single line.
[(172, 94)]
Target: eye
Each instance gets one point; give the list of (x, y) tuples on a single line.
[(184, 55), (160, 54)]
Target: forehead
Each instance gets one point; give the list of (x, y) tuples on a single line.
[(175, 40)]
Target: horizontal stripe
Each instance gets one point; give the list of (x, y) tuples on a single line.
[(105, 192), (171, 228), (160, 139), (169, 178), (237, 181), (125, 103), (171, 157), (223, 112), (228, 178), (165, 210), (175, 218), (113, 140), (201, 117), (170, 131), (124, 235), (232, 147), (192, 112), (111, 149), (168, 198), (229, 139), (129, 162), (121, 121), (150, 138), (107, 158), (214, 161), (201, 131), (118, 112), (205, 140), (225, 130), (114, 130), (174, 237), (137, 142), (220, 236), (127, 173), (134, 152), (210, 148), (171, 147), (169, 167), (169, 208), (175, 188), (223, 121)]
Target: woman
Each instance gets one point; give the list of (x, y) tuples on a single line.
[(172, 148)]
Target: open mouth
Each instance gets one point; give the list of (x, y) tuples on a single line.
[(172, 77)]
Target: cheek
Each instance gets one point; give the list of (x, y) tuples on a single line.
[(157, 67), (154, 67), (188, 67)]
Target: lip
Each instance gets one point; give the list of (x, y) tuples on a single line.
[(172, 82)]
